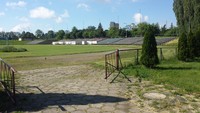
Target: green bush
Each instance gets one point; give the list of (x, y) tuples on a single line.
[(149, 56), (197, 43), (12, 49), (182, 47), (191, 45)]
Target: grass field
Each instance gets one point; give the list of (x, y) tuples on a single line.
[(13, 42), (50, 50)]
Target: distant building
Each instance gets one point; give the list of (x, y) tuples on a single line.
[(114, 25)]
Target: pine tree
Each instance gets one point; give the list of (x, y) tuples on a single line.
[(191, 45), (182, 47), (149, 56), (197, 43)]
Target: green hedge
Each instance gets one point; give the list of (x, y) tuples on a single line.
[(12, 49)]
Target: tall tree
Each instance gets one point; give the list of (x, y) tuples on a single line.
[(187, 14), (60, 34), (50, 34), (100, 31), (191, 45), (39, 34), (149, 56)]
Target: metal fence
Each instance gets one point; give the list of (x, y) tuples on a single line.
[(7, 79), (117, 60)]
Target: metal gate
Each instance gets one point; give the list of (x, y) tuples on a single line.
[(117, 60), (7, 79), (112, 64)]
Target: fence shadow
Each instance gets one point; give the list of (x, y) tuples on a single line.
[(29, 102)]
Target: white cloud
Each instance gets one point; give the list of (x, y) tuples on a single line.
[(16, 4), (1, 29), (84, 6), (2, 13), (65, 14), (21, 27), (146, 18), (60, 18), (138, 17), (42, 12)]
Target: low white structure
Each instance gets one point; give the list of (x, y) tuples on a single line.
[(64, 43), (70, 42), (91, 42)]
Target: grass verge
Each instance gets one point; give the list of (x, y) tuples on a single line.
[(173, 73)]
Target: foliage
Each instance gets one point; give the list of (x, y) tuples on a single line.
[(182, 47), (27, 36), (50, 34), (149, 56), (171, 32), (60, 34), (12, 49), (100, 31), (113, 32), (191, 45), (187, 14), (39, 34), (142, 28), (197, 43)]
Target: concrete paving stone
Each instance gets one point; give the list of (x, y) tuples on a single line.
[(99, 105), (82, 107), (135, 110), (121, 107), (79, 111), (119, 111), (69, 108), (93, 110), (108, 108)]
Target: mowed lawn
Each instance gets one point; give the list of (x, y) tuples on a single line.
[(54, 50), (47, 56)]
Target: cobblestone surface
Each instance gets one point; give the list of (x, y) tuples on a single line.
[(71, 89), (83, 89)]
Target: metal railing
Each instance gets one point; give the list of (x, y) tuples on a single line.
[(7, 79), (117, 60)]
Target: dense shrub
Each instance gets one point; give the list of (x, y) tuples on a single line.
[(191, 45), (197, 43), (12, 49), (182, 47), (149, 56)]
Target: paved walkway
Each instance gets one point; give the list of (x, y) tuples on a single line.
[(83, 89), (71, 89)]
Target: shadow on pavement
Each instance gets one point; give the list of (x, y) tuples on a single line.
[(31, 102)]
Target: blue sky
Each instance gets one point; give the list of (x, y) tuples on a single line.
[(30, 15)]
